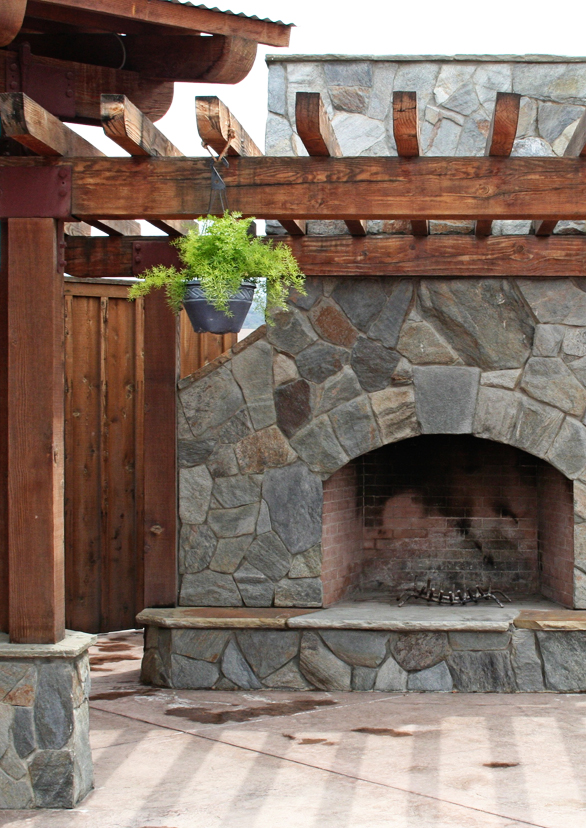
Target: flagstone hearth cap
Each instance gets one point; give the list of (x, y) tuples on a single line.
[(551, 620), (219, 617)]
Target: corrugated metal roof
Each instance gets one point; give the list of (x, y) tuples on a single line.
[(233, 14)]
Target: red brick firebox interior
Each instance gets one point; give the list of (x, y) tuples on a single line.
[(453, 508)]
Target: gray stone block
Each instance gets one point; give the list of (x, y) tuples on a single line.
[(256, 589), (361, 306), (363, 678), (54, 705), (332, 324), (270, 555), (299, 592), (353, 99), (277, 97), (321, 360), (267, 449), (10, 675), (445, 398), (222, 462), (575, 341), (501, 379), (236, 668), (267, 650), (536, 426), (83, 769), (555, 300), (487, 671), (357, 647), (284, 369), (12, 764), (237, 490), (391, 678), (335, 390), (193, 452), (394, 409), (387, 326), (480, 640), (422, 345), (203, 645), (307, 564), (355, 427), (420, 650), (195, 490), (313, 286), (294, 496), (209, 589), (564, 660), (52, 779), (436, 679), (291, 332), (229, 553), (483, 320), (15, 794), (263, 524), (237, 428), (548, 339), (288, 677), (252, 369), (197, 545), (230, 523), (23, 732), (551, 381), (373, 364), (348, 73), (568, 451), (496, 414), (321, 667), (200, 401), (526, 662), (190, 674), (293, 405)]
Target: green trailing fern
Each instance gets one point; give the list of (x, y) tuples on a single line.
[(222, 257)]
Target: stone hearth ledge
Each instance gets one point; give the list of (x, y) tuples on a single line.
[(45, 755)]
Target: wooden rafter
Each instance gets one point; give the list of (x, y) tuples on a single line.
[(125, 124), (221, 131), (576, 149), (451, 189), (406, 132), (319, 139), (430, 256), (501, 138), (137, 16)]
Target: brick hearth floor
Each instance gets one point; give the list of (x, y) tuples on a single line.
[(201, 759)]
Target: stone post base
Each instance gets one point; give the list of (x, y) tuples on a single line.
[(45, 757)]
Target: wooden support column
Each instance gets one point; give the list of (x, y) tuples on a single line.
[(406, 132), (3, 427), (35, 392), (160, 451)]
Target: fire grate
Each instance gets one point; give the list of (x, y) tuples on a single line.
[(452, 597)]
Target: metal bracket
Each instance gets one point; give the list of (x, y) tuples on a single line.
[(53, 87), (35, 192), (147, 254)]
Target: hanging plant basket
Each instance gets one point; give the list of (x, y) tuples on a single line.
[(205, 318)]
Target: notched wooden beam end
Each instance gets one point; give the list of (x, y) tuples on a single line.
[(314, 126), (218, 127), (406, 124)]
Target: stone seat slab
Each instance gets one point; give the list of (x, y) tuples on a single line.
[(219, 617), (554, 619)]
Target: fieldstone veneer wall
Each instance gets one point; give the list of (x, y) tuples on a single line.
[(355, 364)]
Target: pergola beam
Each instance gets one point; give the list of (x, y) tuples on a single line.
[(451, 189), (501, 137), (319, 139), (429, 256), (406, 132)]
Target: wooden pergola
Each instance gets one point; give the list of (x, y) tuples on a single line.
[(66, 180)]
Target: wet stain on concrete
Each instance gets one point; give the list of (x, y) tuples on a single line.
[(110, 659), (112, 695), (500, 764), (382, 731), (245, 714), (308, 740)]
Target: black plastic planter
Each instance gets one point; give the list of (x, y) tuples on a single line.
[(206, 319)]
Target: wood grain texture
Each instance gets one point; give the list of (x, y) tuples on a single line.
[(161, 370), (124, 15), (406, 132), (153, 97), (197, 349), (377, 188), (4, 427), (11, 16), (440, 256), (23, 120), (576, 149), (218, 128), (501, 137), (316, 131), (35, 433)]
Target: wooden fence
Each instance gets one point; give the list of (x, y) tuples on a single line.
[(112, 468)]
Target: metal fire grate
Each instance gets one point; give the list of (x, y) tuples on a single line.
[(452, 597)]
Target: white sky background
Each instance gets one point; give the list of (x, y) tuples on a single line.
[(380, 27)]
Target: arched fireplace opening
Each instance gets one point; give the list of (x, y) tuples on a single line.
[(453, 508)]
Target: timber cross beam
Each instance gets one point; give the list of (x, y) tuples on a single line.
[(454, 189)]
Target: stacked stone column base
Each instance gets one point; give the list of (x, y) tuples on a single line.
[(45, 756)]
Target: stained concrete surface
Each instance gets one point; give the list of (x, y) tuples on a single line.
[(201, 759)]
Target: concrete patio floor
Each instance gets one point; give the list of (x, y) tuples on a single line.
[(201, 759)]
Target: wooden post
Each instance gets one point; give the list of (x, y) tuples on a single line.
[(35, 402), (3, 428), (160, 451)]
